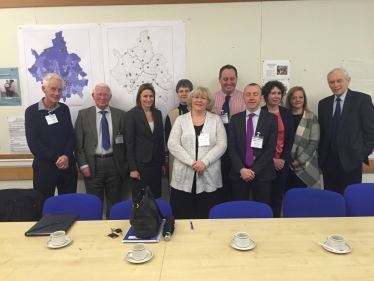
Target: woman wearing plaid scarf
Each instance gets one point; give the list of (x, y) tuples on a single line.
[(304, 170)]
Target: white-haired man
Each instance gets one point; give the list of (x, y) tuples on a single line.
[(101, 151), (346, 121), (51, 139)]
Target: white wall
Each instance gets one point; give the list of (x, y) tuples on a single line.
[(315, 35)]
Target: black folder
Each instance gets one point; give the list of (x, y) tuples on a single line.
[(51, 223)]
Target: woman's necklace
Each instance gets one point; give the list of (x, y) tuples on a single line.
[(198, 121)]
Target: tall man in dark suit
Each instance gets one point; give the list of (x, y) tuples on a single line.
[(101, 151), (50, 136), (347, 132), (252, 142)]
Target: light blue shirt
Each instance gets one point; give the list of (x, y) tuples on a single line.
[(342, 97), (99, 116), (41, 106), (254, 119)]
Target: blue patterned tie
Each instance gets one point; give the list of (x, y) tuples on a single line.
[(105, 131), (335, 126)]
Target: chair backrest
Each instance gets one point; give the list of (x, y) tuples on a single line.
[(18, 205), (240, 209), (311, 202), (122, 210), (87, 206), (359, 200)]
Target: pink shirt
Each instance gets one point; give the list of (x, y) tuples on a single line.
[(236, 102)]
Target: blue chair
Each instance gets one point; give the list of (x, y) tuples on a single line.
[(87, 206), (359, 199), (240, 209), (310, 202), (122, 210)]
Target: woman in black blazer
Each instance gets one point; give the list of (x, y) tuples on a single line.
[(273, 92), (145, 143)]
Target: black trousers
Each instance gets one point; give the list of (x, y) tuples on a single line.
[(277, 190), (187, 205), (46, 177), (334, 176), (293, 181), (150, 175), (226, 189), (107, 180), (261, 190)]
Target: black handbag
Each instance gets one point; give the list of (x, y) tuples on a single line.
[(146, 216)]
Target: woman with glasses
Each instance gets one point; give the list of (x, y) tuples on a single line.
[(184, 87), (145, 143), (197, 141)]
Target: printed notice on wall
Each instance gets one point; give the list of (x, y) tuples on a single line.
[(362, 75), (276, 69), (18, 143), (9, 87)]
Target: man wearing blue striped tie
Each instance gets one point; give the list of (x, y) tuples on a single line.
[(101, 152)]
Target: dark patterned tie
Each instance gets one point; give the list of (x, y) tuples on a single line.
[(249, 150), (226, 105), (105, 131), (335, 125)]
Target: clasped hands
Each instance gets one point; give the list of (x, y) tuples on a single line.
[(199, 167), (247, 174), (278, 164), (62, 162)]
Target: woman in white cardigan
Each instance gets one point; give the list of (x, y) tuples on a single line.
[(197, 141)]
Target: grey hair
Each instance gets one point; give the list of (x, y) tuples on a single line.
[(339, 69), (51, 75), (104, 86)]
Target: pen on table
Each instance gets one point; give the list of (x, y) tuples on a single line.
[(191, 225)]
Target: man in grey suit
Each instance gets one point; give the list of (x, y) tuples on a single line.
[(101, 151)]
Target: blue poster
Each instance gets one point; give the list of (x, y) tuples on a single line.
[(9, 87)]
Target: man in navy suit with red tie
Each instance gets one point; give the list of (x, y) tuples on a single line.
[(252, 141), (346, 121)]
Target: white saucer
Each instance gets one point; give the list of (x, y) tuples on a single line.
[(250, 247), (147, 258), (51, 246), (345, 251)]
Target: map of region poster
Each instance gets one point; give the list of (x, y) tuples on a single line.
[(72, 51), (144, 52)]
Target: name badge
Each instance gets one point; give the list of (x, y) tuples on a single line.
[(119, 139), (51, 119), (257, 142), (203, 140), (225, 118)]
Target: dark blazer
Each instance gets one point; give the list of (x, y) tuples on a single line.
[(86, 133), (289, 132), (142, 145), (355, 132), (263, 165)]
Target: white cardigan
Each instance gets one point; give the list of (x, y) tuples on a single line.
[(182, 144)]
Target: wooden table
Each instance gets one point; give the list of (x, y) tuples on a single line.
[(287, 249), (92, 255)]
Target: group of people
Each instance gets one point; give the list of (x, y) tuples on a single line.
[(223, 146)]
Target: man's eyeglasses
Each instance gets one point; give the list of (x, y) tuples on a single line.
[(105, 96)]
